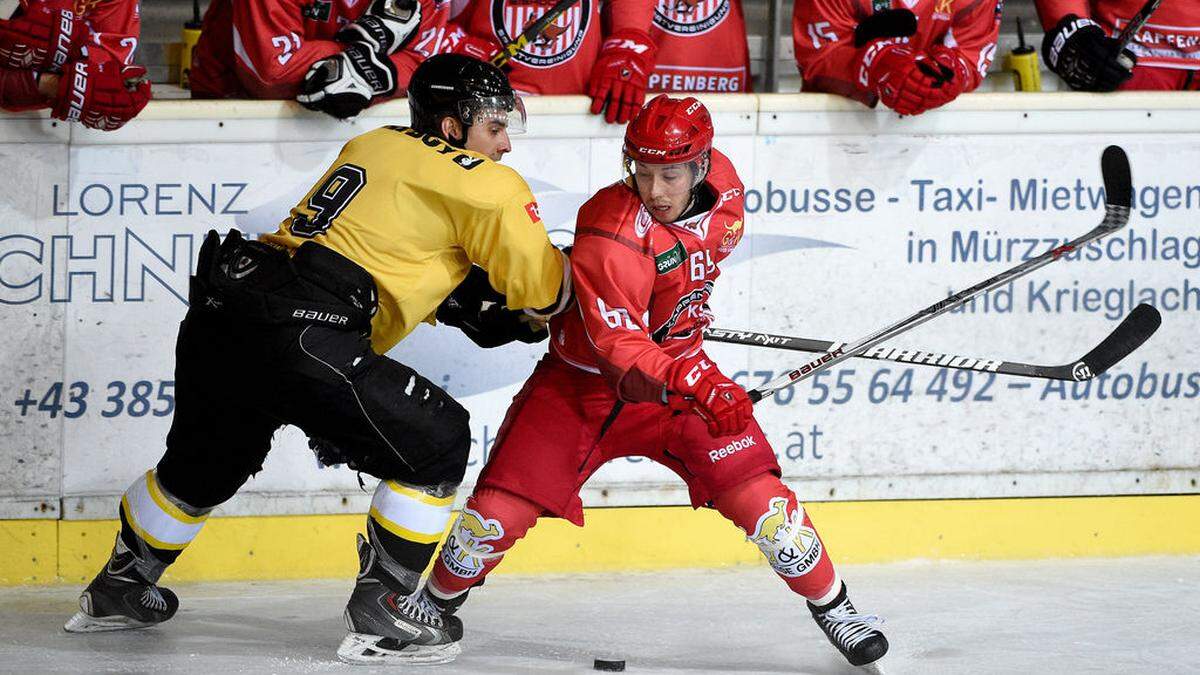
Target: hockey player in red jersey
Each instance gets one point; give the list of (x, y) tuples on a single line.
[(701, 47), (73, 57), (335, 56), (558, 61), (912, 56), (1081, 44), (627, 375)]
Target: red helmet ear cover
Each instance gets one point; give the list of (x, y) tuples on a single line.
[(669, 131)]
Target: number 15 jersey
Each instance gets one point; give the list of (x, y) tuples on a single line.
[(415, 213)]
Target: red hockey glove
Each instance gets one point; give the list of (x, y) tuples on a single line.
[(101, 94), (474, 46), (907, 82), (619, 77), (45, 37), (723, 405)]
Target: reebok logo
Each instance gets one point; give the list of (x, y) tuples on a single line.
[(737, 446)]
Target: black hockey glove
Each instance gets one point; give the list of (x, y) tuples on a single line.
[(385, 27), (1085, 57), (479, 311), (344, 84)]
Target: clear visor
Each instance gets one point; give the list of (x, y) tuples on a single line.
[(507, 110), (687, 174)]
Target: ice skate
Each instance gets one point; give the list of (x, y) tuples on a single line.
[(852, 633), (390, 628), (120, 598)]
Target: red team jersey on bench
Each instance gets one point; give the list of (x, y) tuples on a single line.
[(823, 34), (701, 46)]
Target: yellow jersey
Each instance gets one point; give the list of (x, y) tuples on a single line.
[(415, 213)]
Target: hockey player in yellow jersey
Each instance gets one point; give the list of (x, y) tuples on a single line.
[(409, 224)]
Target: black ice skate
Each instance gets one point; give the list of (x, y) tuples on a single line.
[(121, 597), (852, 633), (387, 627)]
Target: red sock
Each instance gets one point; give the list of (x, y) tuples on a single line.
[(768, 512), (490, 523)]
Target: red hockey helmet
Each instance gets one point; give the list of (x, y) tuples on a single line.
[(669, 131)]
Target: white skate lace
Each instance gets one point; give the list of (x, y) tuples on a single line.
[(421, 608), (153, 599), (848, 627)]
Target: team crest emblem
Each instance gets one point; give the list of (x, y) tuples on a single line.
[(690, 17), (558, 42), (732, 235)]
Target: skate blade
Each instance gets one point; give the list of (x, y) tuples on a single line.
[(360, 649), (84, 623)]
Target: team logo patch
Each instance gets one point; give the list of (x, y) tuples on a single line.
[(558, 42), (792, 549), (733, 234), (690, 17), (465, 551), (535, 214)]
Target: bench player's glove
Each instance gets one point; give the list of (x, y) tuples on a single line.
[(619, 77), (909, 82), (458, 41), (479, 311), (696, 385), (385, 27), (344, 84), (44, 38), (1079, 52), (100, 94)]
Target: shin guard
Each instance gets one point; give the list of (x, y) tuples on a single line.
[(490, 523), (772, 518), (404, 527), (156, 526)]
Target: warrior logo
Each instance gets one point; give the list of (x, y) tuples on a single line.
[(690, 17), (1081, 372), (465, 551), (558, 42), (792, 548)]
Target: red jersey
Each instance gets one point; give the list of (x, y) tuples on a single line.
[(559, 61), (1170, 39), (114, 26), (701, 46), (642, 287), (263, 48), (823, 34)]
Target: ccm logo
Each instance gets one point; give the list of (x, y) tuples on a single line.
[(652, 151), (734, 447), (323, 317)]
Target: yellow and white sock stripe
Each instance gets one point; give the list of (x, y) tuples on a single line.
[(409, 513), (157, 519)]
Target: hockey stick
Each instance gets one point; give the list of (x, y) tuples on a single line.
[(1135, 24), (1133, 330), (1114, 166), (531, 32)]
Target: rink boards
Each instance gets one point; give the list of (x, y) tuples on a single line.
[(855, 218)]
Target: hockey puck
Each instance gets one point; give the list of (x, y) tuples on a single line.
[(610, 665)]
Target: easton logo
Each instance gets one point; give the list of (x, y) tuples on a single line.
[(690, 17), (557, 42)]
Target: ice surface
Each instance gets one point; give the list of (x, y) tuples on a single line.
[(1133, 615)]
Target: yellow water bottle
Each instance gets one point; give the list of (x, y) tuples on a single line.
[(1023, 62), (191, 35)]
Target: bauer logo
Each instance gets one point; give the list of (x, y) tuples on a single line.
[(557, 42), (690, 17), (792, 548)]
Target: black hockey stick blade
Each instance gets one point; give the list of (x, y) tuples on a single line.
[(1114, 166), (1129, 335)]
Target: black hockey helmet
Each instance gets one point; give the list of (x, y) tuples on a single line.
[(464, 88)]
